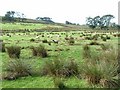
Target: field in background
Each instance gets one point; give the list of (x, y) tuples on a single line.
[(17, 26)]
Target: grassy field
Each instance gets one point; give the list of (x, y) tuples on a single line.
[(17, 26), (63, 50)]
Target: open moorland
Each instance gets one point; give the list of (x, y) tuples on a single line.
[(58, 56)]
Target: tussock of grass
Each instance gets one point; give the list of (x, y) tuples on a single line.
[(14, 51), (17, 68), (32, 40), (2, 47), (94, 43), (39, 51), (86, 51), (60, 68), (45, 41), (104, 39), (105, 46), (102, 70), (71, 41)]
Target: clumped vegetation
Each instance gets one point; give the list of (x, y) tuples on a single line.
[(94, 43), (60, 68), (39, 51), (3, 47), (32, 40), (105, 46), (14, 51), (86, 51), (104, 39), (88, 38), (84, 59), (17, 68), (108, 37), (45, 41), (71, 41), (102, 70), (95, 37)]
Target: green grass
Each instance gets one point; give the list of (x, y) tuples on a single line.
[(17, 26), (43, 82), (75, 52), (30, 82)]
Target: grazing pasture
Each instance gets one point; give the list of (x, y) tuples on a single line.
[(66, 59), (22, 26)]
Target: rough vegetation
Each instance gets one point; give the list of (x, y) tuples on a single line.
[(59, 59), (14, 51)]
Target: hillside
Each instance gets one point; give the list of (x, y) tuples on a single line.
[(38, 25)]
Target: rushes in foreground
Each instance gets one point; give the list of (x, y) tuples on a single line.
[(14, 51)]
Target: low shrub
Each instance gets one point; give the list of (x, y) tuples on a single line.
[(109, 55), (66, 38), (88, 38), (43, 36), (91, 73), (34, 50), (104, 39), (71, 41), (95, 37), (107, 37), (17, 68), (94, 43), (10, 76), (71, 68), (116, 35), (60, 68), (45, 41), (2, 47), (109, 74), (39, 51), (105, 46), (32, 40), (103, 71), (86, 51), (14, 51), (102, 36)]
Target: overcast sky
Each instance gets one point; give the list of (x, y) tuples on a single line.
[(62, 10)]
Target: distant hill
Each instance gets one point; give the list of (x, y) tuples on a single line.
[(28, 20), (48, 24)]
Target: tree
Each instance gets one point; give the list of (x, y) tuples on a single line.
[(20, 16), (12, 13), (91, 22), (14, 16), (96, 21), (23, 17), (9, 16), (67, 22), (38, 18), (101, 22), (105, 21), (47, 19)]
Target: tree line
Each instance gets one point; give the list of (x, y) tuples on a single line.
[(70, 23), (47, 19), (12, 16), (103, 22)]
